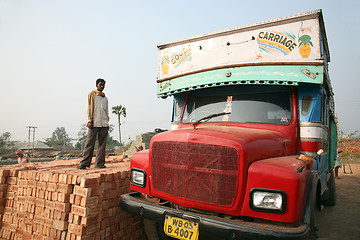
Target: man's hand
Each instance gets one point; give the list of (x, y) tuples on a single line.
[(89, 125)]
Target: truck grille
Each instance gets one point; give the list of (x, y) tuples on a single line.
[(200, 172)]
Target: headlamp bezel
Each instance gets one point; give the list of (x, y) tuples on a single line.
[(144, 176), (268, 210)]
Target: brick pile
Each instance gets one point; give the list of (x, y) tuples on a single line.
[(57, 201), (351, 147)]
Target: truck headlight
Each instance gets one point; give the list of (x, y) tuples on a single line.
[(267, 200), (138, 177)]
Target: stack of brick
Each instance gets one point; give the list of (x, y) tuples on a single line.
[(56, 201)]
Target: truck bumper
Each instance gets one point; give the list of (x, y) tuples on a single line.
[(222, 228)]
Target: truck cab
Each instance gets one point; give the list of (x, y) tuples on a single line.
[(253, 140)]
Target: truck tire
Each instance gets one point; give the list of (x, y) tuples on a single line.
[(312, 206), (331, 199), (315, 212), (314, 228), (154, 231)]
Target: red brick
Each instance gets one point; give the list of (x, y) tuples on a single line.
[(14, 173), (53, 233), (28, 191), (2, 180), (4, 172), (98, 191), (62, 207), (125, 174), (39, 210), (63, 235), (63, 178), (22, 183), (88, 182), (51, 187), (111, 194), (76, 229), (77, 219), (47, 176), (85, 192), (71, 217), (74, 180), (10, 195), (89, 201), (54, 196), (78, 180), (48, 195), (40, 193), (102, 178), (21, 199), (114, 229), (92, 228), (31, 183), (64, 188), (12, 188), (63, 197), (58, 234), (49, 204), (60, 225), (58, 215), (86, 221), (55, 178), (109, 177), (77, 210), (69, 179), (77, 200), (3, 187), (30, 199), (41, 185), (12, 180)]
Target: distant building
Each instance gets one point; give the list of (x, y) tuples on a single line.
[(64, 148), (38, 145), (38, 148)]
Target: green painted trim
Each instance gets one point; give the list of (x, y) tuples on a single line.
[(333, 143), (262, 75)]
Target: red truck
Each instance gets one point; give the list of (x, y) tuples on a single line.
[(254, 136)]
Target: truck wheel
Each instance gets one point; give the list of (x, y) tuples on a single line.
[(314, 228), (154, 231), (331, 200)]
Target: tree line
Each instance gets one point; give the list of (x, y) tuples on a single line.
[(60, 137)]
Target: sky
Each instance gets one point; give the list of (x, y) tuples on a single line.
[(52, 52)]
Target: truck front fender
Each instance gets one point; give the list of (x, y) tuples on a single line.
[(140, 161), (278, 174)]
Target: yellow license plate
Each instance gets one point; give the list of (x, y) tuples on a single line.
[(180, 228)]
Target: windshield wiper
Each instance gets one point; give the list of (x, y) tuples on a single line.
[(209, 117)]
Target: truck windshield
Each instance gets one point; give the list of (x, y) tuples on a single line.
[(246, 104)]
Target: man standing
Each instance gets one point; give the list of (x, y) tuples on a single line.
[(98, 124)]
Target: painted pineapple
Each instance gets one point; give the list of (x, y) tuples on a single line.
[(165, 64), (304, 46)]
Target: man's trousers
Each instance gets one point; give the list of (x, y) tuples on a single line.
[(101, 133)]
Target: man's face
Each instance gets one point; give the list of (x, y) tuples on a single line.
[(100, 86)]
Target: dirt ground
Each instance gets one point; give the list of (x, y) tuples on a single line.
[(343, 220)]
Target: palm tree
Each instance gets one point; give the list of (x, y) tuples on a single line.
[(119, 110)]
